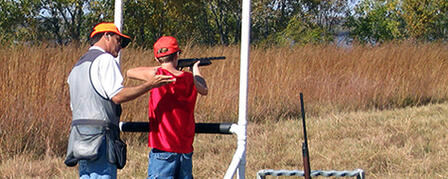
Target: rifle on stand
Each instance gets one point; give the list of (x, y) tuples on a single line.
[(305, 153)]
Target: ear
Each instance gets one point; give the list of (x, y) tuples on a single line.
[(107, 36)]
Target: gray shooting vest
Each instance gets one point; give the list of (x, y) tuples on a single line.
[(94, 116)]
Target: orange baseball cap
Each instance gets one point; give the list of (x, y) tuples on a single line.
[(110, 27), (166, 42)]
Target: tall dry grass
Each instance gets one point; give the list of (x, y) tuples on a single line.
[(332, 78), (35, 113), (403, 143), (34, 109)]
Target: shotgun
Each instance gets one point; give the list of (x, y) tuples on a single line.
[(305, 153), (189, 62)]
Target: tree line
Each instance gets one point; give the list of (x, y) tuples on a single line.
[(218, 22)]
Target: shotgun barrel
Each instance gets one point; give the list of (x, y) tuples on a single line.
[(189, 62)]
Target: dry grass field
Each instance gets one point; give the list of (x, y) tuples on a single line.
[(382, 109)]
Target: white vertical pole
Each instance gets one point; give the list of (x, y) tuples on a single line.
[(118, 14), (118, 20), (244, 68), (239, 159)]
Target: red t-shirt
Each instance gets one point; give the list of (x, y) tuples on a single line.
[(171, 114)]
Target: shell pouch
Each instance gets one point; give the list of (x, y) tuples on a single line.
[(84, 143), (116, 151)]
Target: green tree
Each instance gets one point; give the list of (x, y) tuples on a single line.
[(224, 16), (63, 20), (426, 20), (380, 20), (147, 20), (16, 18), (301, 32), (58, 21), (298, 21), (271, 17), (377, 21)]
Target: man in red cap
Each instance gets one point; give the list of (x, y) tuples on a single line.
[(171, 114), (96, 92)]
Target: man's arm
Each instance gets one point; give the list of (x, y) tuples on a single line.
[(142, 73), (199, 81), (151, 81)]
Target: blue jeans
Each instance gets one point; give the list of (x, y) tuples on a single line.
[(99, 168), (168, 165)]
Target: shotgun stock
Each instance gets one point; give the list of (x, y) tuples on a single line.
[(188, 62), (306, 161)]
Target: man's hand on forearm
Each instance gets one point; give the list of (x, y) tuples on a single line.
[(160, 80), (148, 74), (130, 93), (142, 73)]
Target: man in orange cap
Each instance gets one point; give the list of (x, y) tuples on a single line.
[(171, 114), (96, 92)]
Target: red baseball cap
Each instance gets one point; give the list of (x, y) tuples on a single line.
[(166, 42), (110, 27)]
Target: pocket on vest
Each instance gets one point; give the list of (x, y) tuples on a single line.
[(85, 141)]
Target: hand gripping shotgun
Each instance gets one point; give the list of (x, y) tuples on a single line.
[(189, 62)]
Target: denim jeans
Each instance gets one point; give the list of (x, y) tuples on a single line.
[(98, 169), (168, 165)]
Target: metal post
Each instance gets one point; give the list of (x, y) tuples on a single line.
[(118, 20), (239, 158)]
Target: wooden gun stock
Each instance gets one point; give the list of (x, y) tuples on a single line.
[(306, 161)]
